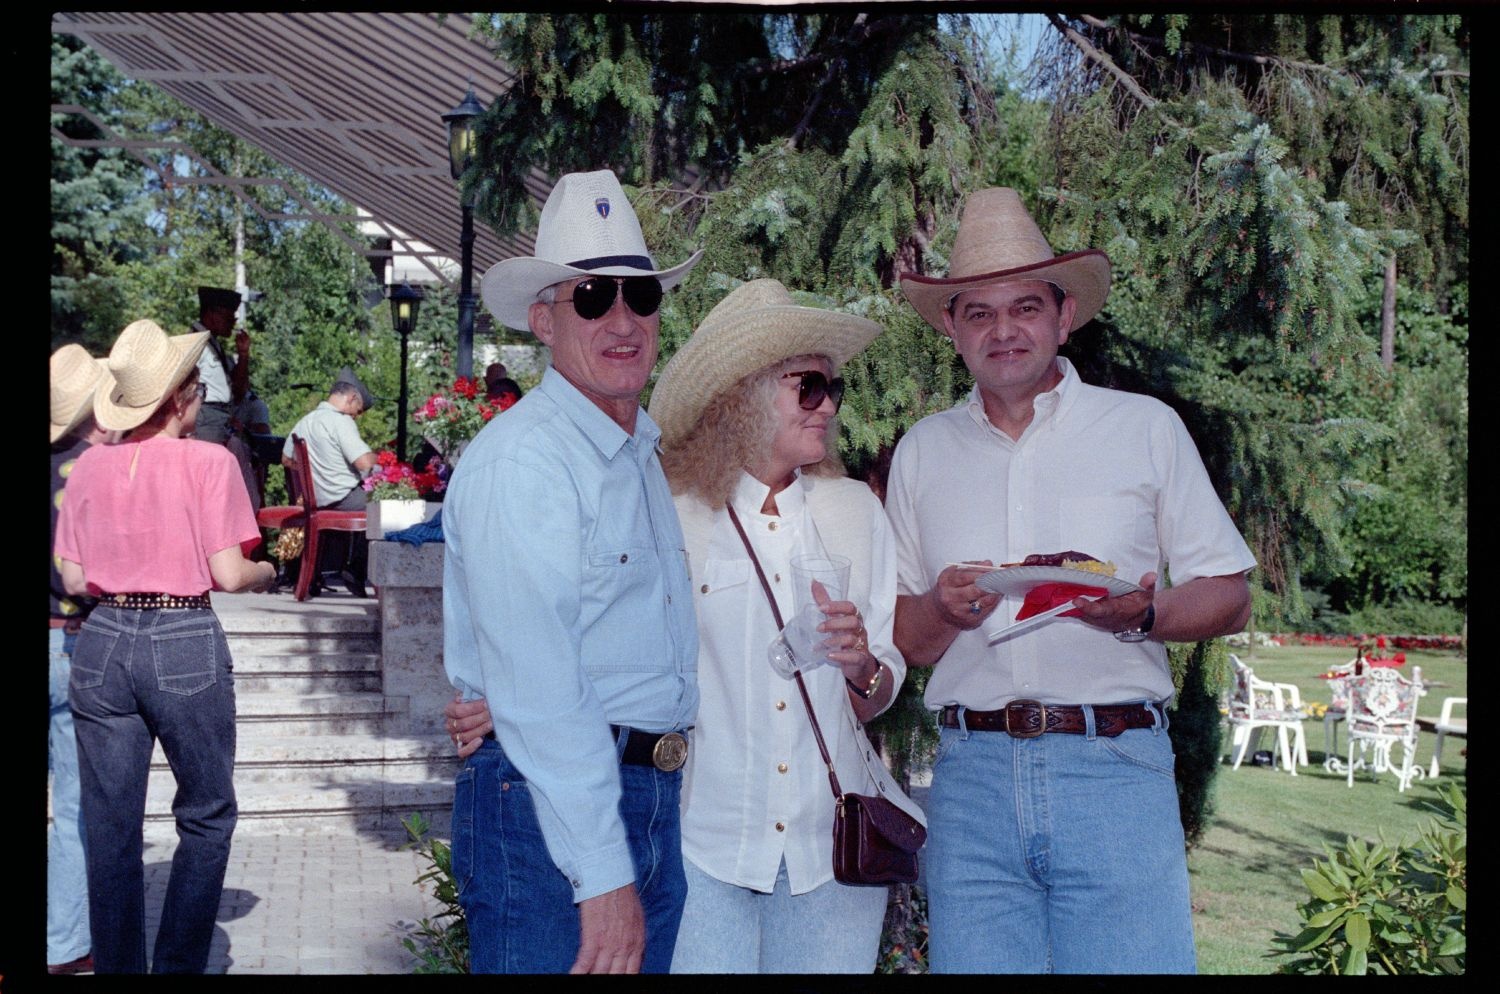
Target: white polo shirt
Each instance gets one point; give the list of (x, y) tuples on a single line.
[(1111, 474)]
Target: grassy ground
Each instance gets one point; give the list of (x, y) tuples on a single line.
[(1267, 825)]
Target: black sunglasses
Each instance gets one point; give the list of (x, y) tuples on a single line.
[(596, 295), (815, 387)]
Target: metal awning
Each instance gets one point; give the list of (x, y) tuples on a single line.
[(353, 101)]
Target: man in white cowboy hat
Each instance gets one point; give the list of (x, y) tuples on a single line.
[(567, 604), (1055, 841), (225, 376), (75, 374), (340, 459)]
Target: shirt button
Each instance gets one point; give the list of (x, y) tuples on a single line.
[(703, 589), (776, 577), (781, 705), (576, 884), (505, 786), (624, 555), (772, 526), (780, 767), (781, 826)]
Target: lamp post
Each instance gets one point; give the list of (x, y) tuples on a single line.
[(460, 124), (405, 302)]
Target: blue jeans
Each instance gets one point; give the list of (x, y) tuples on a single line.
[(518, 904), (139, 676), (832, 928), (67, 881), (1062, 853)]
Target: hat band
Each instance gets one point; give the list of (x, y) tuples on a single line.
[(600, 262)]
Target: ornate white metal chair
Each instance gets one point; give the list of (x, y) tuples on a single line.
[(1382, 714), (1449, 725), (1337, 678), (1256, 705)]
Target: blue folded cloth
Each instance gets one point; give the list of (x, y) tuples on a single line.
[(427, 531)]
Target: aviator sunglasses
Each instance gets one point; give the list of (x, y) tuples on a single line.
[(596, 295), (815, 386)]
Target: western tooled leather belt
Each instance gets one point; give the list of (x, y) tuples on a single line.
[(1026, 719), (666, 751)]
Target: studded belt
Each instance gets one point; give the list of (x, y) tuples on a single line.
[(151, 601), (1026, 719)]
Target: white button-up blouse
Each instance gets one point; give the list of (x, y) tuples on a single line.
[(755, 789)]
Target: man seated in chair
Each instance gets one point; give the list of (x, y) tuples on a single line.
[(340, 461)]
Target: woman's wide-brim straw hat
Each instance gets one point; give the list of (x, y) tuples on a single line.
[(756, 325), (145, 365), (587, 228), (75, 376), (998, 242)]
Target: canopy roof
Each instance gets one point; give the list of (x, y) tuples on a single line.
[(353, 101)]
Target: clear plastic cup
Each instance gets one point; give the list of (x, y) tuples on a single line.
[(800, 646)]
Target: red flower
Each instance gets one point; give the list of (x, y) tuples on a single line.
[(386, 458), (465, 387), (505, 401)]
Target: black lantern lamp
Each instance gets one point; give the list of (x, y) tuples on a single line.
[(405, 302), (460, 123)]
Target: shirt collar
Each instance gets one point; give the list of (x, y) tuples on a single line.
[(1052, 404), (750, 495), (598, 427)]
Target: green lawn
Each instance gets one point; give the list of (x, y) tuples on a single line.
[(1268, 825)]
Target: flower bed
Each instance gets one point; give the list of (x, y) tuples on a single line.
[(1433, 642)]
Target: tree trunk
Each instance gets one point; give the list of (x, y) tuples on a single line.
[(1388, 317)]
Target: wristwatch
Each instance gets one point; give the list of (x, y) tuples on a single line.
[(868, 691), (1139, 633)]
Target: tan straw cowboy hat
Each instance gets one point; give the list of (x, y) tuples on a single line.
[(144, 367), (588, 228), (756, 325), (998, 242), (74, 374)]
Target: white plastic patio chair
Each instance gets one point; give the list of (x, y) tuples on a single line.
[(1449, 725), (1338, 708), (1256, 705), (1382, 714)]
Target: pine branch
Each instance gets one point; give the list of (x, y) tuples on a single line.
[(1264, 60), (834, 65), (1094, 55)]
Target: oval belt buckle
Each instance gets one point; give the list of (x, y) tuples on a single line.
[(670, 752)]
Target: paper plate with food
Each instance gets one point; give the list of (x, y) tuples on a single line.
[(1078, 568)]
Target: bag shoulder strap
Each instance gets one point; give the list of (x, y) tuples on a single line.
[(833, 779)]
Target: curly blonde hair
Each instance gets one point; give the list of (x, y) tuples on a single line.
[(735, 433)]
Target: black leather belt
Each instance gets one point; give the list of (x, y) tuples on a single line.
[(152, 601), (666, 751), (1026, 719)]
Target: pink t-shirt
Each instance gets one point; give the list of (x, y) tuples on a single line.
[(153, 530)]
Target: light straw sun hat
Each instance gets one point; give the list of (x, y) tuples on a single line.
[(145, 365), (587, 228), (756, 325), (998, 242), (74, 374)]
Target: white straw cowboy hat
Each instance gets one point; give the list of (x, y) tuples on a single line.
[(74, 374), (588, 228), (756, 325), (144, 367), (998, 242)]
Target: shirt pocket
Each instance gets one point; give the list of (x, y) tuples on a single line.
[(723, 575)]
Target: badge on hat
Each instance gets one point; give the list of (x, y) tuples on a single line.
[(601, 204)]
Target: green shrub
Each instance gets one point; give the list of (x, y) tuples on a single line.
[(1387, 909), (441, 946), (1407, 617)]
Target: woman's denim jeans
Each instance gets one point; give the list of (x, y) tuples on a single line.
[(518, 904), (139, 676), (67, 882), (1062, 853), (832, 928)]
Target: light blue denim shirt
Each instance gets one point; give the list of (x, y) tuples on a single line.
[(567, 605)]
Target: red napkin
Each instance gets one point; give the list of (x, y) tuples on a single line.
[(1046, 596)]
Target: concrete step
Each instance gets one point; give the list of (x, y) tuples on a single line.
[(329, 681), (298, 644), (268, 714), (328, 759), (375, 805)]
